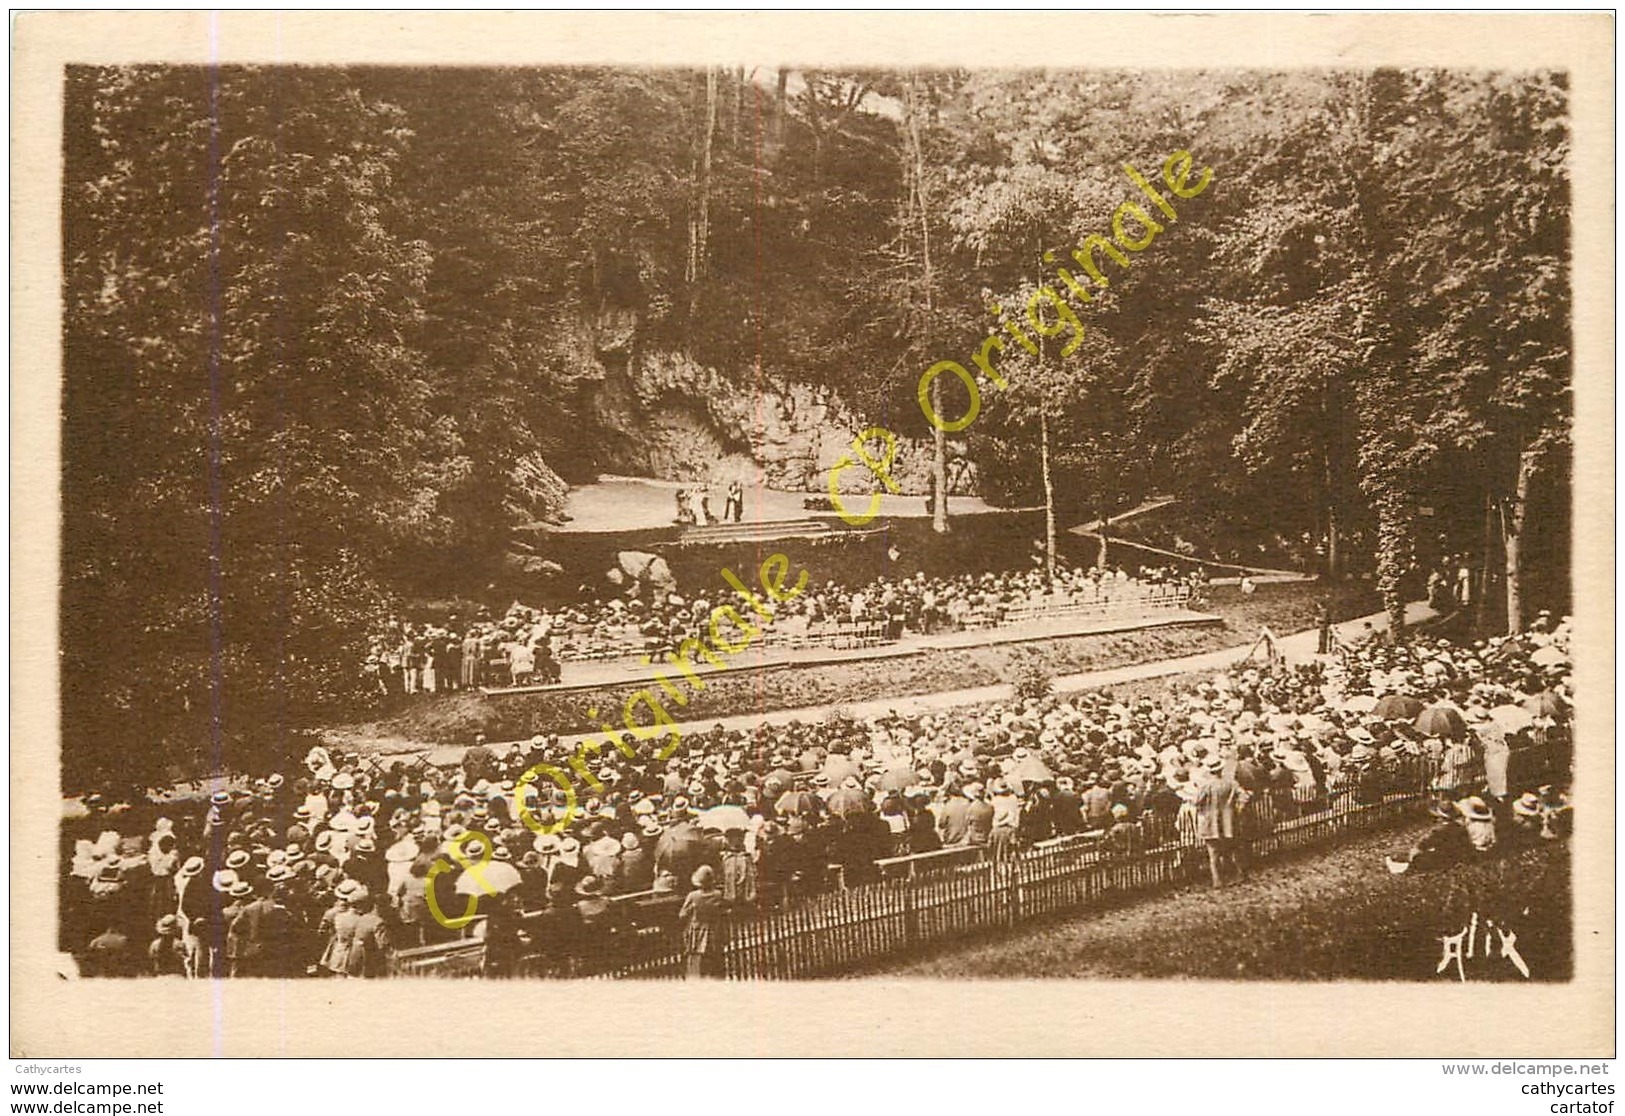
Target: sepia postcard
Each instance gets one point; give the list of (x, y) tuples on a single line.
[(731, 534)]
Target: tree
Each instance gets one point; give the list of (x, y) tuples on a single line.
[(1491, 280), (244, 426)]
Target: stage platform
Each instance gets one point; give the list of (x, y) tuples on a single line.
[(618, 504), (586, 676)]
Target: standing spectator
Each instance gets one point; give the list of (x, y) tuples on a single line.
[(547, 667), (1439, 590), (1006, 819), (1250, 775), (1097, 804), (1066, 808), (567, 868), (1124, 838), (600, 923), (407, 654), (703, 921), (429, 655), (556, 934), (451, 677), (1497, 753), (192, 903), (953, 822), (635, 867), (602, 852), (735, 505), (473, 654), (416, 920), (738, 871), (358, 942), (244, 943), (503, 944), (1216, 803), (1037, 821), (978, 817), (391, 669), (521, 663), (166, 956)]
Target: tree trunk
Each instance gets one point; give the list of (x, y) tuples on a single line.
[(700, 230), (939, 440), (1393, 559), (1528, 462), (705, 161), (1334, 546), (781, 109), (939, 463), (1049, 497), (1328, 480), (1486, 574)]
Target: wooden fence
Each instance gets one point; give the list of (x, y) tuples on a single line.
[(936, 897)]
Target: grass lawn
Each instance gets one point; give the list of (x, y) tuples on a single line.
[(453, 719), (1333, 915)]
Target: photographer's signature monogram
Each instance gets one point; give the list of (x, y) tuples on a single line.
[(1499, 942)]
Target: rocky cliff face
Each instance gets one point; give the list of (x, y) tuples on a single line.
[(670, 417)]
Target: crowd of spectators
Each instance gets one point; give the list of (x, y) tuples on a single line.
[(526, 644), (329, 870)]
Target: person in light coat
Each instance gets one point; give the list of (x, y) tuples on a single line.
[(357, 940), (703, 919), (1217, 801)]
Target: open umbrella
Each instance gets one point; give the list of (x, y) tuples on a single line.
[(838, 767), (1441, 720), (725, 817), (1359, 703), (778, 781), (1546, 704), (1397, 707), (898, 778), (849, 800), (1512, 718), (1032, 770), (498, 876), (1549, 656), (797, 802)]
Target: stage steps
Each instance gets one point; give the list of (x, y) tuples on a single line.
[(715, 533)]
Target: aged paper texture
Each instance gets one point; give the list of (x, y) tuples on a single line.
[(992, 993)]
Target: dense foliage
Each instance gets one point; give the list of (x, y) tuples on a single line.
[(333, 334)]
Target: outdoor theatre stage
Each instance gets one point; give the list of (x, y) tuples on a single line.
[(626, 504), (639, 512)]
